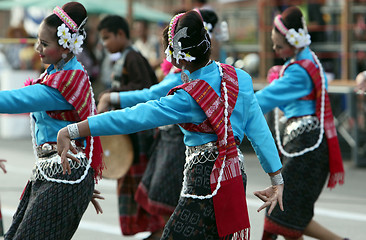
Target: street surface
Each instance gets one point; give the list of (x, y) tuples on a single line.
[(342, 210)]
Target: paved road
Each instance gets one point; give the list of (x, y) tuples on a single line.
[(342, 209)]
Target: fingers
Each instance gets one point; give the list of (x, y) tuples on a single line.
[(280, 195), (64, 160), (272, 204), (96, 195), (261, 196), (2, 165), (72, 149), (65, 166), (72, 158), (97, 207), (281, 204), (96, 191), (264, 205)]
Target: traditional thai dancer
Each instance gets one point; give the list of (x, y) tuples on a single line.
[(309, 144), (57, 195), (215, 107)]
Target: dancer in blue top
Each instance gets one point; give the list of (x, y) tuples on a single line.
[(309, 146), (167, 159), (56, 198), (212, 202)]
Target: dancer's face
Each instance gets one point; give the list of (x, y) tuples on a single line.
[(282, 48), (47, 45)]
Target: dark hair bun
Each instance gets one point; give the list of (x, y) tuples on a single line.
[(292, 18), (209, 16), (76, 11)]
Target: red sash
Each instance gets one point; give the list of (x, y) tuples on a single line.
[(335, 157), (229, 202), (74, 86)]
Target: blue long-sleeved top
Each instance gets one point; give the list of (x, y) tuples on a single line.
[(38, 99), (286, 91), (247, 118), (131, 98)]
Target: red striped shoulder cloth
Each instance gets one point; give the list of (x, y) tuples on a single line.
[(74, 86), (229, 203)]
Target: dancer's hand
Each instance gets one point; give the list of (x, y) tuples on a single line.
[(270, 196), (96, 195), (2, 165), (104, 103), (63, 146)]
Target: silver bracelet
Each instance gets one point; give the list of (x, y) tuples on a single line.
[(276, 179), (113, 97), (73, 131)]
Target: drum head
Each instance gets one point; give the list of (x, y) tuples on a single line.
[(117, 155)]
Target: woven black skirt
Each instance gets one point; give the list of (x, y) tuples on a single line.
[(194, 218), (161, 183), (304, 177), (51, 210)]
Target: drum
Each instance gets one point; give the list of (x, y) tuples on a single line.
[(117, 155)]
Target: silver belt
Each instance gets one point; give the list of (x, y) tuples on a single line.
[(206, 152), (298, 126), (49, 161), (210, 146), (48, 150)]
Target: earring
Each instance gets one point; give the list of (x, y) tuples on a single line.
[(64, 55), (184, 76)]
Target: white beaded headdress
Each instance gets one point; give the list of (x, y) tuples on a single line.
[(74, 40), (175, 44)]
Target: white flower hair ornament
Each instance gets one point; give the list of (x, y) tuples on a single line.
[(298, 39), (67, 40), (76, 42), (64, 35), (208, 27)]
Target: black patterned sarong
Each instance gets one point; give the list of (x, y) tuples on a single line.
[(304, 177), (161, 184), (194, 218), (51, 210)]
